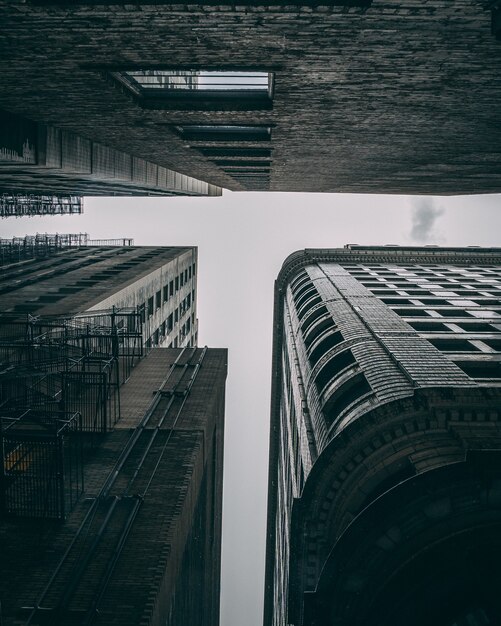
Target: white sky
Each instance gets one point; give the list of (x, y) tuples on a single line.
[(243, 239)]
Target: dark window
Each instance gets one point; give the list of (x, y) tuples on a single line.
[(310, 303), (430, 327), (150, 306), (301, 278), (229, 152), (480, 369), (333, 367), (158, 299), (453, 345), (230, 165), (474, 327), (495, 344), (177, 283), (304, 295), (401, 301), (333, 339), (312, 317), (166, 293), (301, 288), (350, 391), (453, 313), (316, 330), (225, 133), (176, 315), (171, 288), (411, 312)]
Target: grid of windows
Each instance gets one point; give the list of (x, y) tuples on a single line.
[(457, 309)]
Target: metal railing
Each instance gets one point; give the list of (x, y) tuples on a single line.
[(23, 205), (37, 246), (42, 463), (75, 364)]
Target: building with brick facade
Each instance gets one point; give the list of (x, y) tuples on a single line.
[(372, 96), (141, 541), (45, 170), (157, 282), (384, 488), (111, 449)]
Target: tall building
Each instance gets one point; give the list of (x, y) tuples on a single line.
[(385, 478), (160, 283), (45, 170), (111, 455), (373, 96)]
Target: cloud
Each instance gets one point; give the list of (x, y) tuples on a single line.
[(424, 216)]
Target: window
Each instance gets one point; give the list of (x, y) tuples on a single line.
[(217, 132), (171, 288), (310, 302), (430, 327), (474, 327), (481, 369), (316, 330), (177, 283), (331, 340), (411, 312), (303, 295), (150, 306), (230, 152), (350, 391), (200, 89), (166, 293), (333, 367), (313, 317), (453, 345), (158, 299)]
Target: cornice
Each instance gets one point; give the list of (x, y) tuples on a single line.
[(386, 254)]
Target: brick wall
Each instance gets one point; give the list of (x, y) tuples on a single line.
[(399, 97)]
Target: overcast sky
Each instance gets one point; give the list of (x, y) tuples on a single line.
[(243, 239)]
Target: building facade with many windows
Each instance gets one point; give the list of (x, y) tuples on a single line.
[(160, 283), (384, 485), (111, 448)]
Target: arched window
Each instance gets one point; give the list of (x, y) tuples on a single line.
[(312, 318), (329, 341), (333, 368), (316, 329), (347, 393)]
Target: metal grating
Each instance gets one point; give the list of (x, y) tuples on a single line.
[(42, 463)]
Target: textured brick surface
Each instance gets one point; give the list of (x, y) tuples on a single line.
[(401, 97), (168, 570), (411, 410)]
